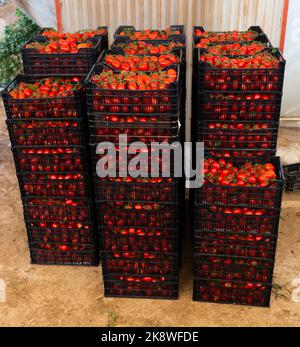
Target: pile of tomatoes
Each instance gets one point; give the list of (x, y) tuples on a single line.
[(233, 49), (229, 36), (130, 80), (62, 46), (140, 63), (81, 35), (65, 42), (141, 47), (51, 87), (259, 61), (149, 34), (224, 173)]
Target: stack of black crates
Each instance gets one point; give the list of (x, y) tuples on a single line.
[(139, 218), (49, 138), (235, 112), (292, 177)]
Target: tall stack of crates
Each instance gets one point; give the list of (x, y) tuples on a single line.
[(47, 124), (235, 112), (139, 218)]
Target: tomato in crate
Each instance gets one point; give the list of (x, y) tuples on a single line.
[(155, 287), (157, 92), (232, 292), (43, 98), (146, 239)]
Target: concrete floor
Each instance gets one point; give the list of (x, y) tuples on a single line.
[(73, 296)]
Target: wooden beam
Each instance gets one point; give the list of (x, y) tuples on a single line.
[(58, 15), (284, 23)]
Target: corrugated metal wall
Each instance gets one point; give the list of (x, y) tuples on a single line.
[(212, 14)]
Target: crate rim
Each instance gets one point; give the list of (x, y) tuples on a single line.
[(18, 78), (261, 38), (39, 33), (276, 52), (98, 40), (172, 27), (171, 87), (277, 209), (118, 51), (199, 255)]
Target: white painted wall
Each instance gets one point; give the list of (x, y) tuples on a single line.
[(291, 93)]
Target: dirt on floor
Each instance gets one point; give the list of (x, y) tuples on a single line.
[(73, 296)]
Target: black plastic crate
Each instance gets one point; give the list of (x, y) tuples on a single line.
[(134, 239), (160, 162), (214, 267), (256, 29), (119, 213), (236, 107), (178, 53), (145, 134), (78, 64), (61, 234), (137, 189), (47, 132), (131, 28), (292, 177), (137, 286), (141, 120), (55, 185), (42, 254), (53, 210), (253, 222), (121, 41), (229, 135), (251, 197), (260, 39), (232, 292), (47, 160), (104, 36), (235, 245), (209, 78), (140, 263), (41, 108), (117, 51), (249, 154), (135, 101)]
